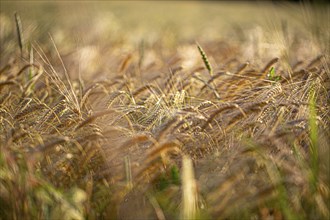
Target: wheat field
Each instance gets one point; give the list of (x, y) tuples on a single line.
[(164, 110)]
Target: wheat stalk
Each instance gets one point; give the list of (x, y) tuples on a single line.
[(189, 190), (19, 32)]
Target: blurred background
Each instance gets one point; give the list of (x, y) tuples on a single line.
[(259, 29), (134, 20)]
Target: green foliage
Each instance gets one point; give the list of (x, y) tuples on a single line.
[(175, 175), (272, 75), (314, 146), (167, 179)]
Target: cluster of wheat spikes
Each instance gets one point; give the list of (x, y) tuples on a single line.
[(240, 141)]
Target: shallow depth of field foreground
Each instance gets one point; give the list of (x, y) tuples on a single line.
[(164, 110)]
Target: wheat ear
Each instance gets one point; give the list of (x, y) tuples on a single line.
[(205, 59)]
